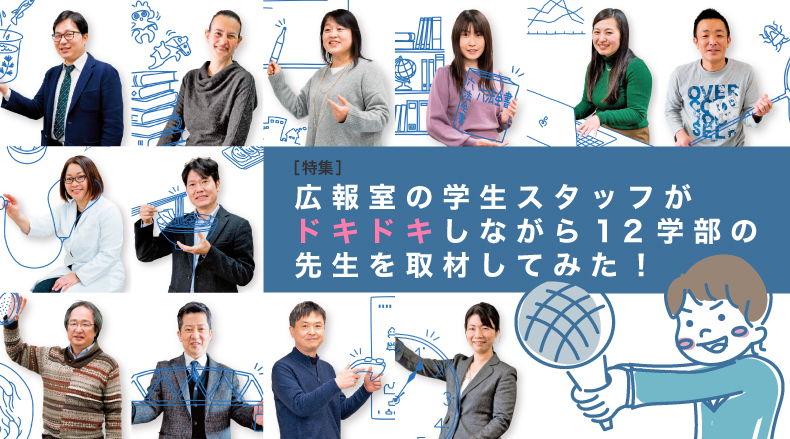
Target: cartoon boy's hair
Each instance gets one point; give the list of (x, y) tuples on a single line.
[(721, 277)]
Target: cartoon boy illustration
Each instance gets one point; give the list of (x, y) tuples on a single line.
[(718, 305)]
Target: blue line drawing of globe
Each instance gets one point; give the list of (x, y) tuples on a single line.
[(562, 326), (405, 69)]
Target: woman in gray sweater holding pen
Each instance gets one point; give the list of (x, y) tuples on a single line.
[(345, 101), (216, 101)]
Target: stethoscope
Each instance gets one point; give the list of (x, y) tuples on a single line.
[(54, 226), (786, 95)]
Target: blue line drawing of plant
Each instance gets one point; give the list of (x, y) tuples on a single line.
[(143, 22), (19, 12), (16, 405), (4, 203), (10, 46), (175, 47), (175, 220), (773, 35), (26, 156), (244, 157), (289, 136)]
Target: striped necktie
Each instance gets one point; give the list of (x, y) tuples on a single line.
[(63, 101)]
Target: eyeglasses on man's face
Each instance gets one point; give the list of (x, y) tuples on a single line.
[(68, 36), (84, 325)]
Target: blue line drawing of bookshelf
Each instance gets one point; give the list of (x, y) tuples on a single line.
[(552, 12), (419, 55)]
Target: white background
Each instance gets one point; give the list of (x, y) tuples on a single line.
[(661, 35), (644, 334), (110, 41), (132, 176)]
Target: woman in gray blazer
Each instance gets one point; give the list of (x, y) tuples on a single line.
[(485, 388)]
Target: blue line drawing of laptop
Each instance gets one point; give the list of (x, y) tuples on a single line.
[(553, 123)]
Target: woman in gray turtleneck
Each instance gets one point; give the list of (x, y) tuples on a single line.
[(216, 101), (346, 101)]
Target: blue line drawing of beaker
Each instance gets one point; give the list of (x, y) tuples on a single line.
[(10, 45)]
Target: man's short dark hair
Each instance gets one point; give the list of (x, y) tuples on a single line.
[(97, 318), (304, 309), (193, 308), (76, 17), (205, 167), (229, 14), (708, 14)]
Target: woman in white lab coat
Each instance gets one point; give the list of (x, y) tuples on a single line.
[(91, 229)]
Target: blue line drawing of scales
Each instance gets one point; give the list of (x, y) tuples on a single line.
[(174, 220)]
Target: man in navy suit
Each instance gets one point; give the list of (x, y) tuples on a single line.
[(80, 100)]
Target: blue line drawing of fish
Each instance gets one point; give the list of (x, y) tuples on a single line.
[(175, 47), (20, 11)]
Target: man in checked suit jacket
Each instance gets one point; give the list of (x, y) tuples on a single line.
[(217, 263), (183, 420), (80, 100)]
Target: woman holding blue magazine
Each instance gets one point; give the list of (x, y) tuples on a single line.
[(456, 114)]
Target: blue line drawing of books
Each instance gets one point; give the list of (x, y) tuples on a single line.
[(153, 101), (502, 94), (410, 118)]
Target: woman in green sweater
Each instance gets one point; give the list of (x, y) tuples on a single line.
[(618, 84)]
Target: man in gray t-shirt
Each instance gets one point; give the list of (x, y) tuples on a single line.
[(705, 96)]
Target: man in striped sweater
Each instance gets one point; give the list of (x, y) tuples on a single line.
[(82, 387)]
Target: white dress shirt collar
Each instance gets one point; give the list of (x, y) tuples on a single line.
[(201, 361)]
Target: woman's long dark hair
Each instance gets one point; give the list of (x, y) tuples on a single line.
[(346, 19), (621, 59), (479, 23)]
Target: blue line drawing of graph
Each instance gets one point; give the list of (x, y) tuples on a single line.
[(473, 77), (174, 220), (290, 136), (783, 96), (543, 15), (244, 157), (772, 34), (14, 405), (26, 156)]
